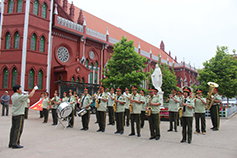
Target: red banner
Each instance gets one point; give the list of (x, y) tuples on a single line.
[(38, 105)]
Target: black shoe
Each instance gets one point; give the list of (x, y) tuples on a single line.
[(212, 128), (6, 114), (189, 142), (99, 130), (176, 130), (96, 122), (152, 138), (215, 129), (41, 117), (127, 125), (131, 134), (9, 146), (44, 122), (69, 127), (157, 138), (83, 129), (121, 132), (112, 124), (16, 146), (109, 124), (103, 130), (138, 135), (170, 130), (182, 141), (54, 124), (117, 132)]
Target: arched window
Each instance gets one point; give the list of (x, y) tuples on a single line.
[(91, 73), (36, 7), (78, 80), (5, 78), (19, 6), (42, 44), (16, 41), (96, 70), (178, 80), (73, 79), (82, 80), (44, 10), (10, 6), (92, 66), (87, 63), (14, 77), (31, 79), (33, 42), (8, 40), (40, 79)]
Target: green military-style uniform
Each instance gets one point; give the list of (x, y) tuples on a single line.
[(72, 99), (54, 107), (120, 114), (41, 112), (127, 111), (135, 114), (188, 119), (143, 110), (27, 108), (110, 109), (200, 112), (65, 99), (214, 110), (46, 109), (154, 118), (19, 101), (85, 101), (173, 112), (102, 111)]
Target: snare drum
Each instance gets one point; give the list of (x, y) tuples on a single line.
[(64, 110), (82, 112)]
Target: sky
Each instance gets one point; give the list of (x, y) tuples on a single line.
[(190, 29)]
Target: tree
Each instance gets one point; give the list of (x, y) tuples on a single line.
[(221, 69), (169, 81), (125, 67)]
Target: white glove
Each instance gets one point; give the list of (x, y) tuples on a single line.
[(124, 94), (108, 93), (36, 87)]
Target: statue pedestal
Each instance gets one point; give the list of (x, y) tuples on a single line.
[(161, 98)]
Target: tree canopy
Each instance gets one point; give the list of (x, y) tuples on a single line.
[(125, 67), (221, 69)]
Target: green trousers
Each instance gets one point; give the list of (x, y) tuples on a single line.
[(26, 113), (127, 114), (201, 116), (101, 119), (135, 118), (187, 123), (86, 119), (119, 121), (154, 124), (173, 118), (143, 116), (71, 122), (16, 129), (46, 114), (54, 116), (111, 115), (215, 116)]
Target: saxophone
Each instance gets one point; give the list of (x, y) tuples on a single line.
[(52, 101), (149, 107), (114, 104), (130, 104), (210, 97), (97, 101), (181, 108)]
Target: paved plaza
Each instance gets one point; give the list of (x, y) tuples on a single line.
[(43, 140)]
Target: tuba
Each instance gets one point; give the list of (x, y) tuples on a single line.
[(114, 104), (130, 105), (210, 97)]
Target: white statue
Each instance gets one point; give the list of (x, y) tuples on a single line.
[(156, 78)]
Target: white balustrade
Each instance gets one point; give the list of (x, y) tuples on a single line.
[(95, 34), (69, 24), (144, 53)]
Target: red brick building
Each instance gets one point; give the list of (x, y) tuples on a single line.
[(43, 41)]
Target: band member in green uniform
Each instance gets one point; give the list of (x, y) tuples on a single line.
[(103, 99), (173, 110), (94, 98), (188, 106), (154, 119), (72, 102), (46, 103), (19, 102), (200, 111), (179, 95), (85, 103), (127, 112), (120, 102), (41, 112), (55, 102), (76, 104), (110, 106), (143, 109), (65, 98), (214, 110), (135, 114)]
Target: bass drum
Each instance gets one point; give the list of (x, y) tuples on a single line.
[(64, 110)]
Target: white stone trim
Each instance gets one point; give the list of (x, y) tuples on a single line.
[(49, 49), (24, 48), (2, 11)]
